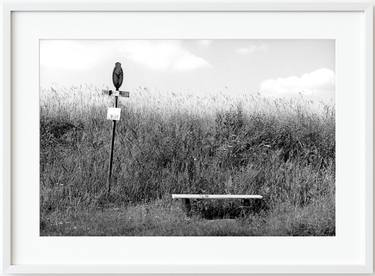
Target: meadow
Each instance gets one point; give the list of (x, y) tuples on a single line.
[(167, 143)]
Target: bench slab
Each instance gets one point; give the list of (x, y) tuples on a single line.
[(224, 196)]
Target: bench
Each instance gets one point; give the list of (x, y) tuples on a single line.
[(187, 197)]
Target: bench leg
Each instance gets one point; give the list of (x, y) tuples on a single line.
[(246, 202), (245, 207), (186, 205)]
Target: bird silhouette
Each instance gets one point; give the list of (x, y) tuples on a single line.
[(117, 75)]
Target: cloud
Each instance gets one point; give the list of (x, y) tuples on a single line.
[(204, 42), (317, 82), (162, 55), (251, 49)]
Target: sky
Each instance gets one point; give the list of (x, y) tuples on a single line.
[(272, 68)]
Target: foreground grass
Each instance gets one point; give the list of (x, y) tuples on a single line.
[(165, 218), (282, 150)]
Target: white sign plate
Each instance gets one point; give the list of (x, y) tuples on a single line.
[(113, 113)]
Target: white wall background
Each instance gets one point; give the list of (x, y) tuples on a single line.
[(1, 82)]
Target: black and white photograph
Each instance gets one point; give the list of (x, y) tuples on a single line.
[(191, 137)]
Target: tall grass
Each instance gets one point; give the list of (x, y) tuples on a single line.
[(167, 143)]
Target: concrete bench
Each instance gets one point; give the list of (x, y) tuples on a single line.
[(187, 197)]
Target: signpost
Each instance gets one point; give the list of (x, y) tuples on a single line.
[(114, 113)]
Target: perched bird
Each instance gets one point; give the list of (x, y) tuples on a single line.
[(117, 75)]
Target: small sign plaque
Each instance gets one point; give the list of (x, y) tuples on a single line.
[(114, 113)]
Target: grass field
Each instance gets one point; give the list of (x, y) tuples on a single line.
[(167, 143)]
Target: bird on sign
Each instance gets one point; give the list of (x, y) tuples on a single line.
[(117, 75)]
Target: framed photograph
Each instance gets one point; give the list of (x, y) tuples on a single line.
[(165, 137)]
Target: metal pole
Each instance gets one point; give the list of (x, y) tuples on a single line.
[(112, 146)]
